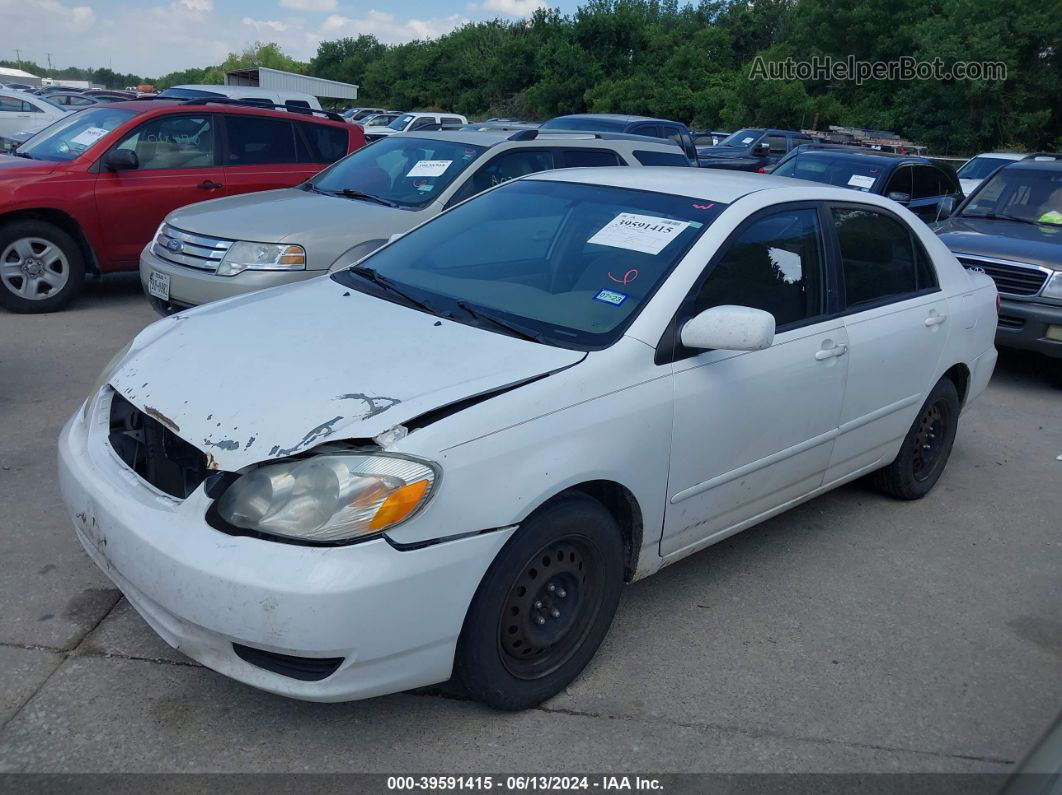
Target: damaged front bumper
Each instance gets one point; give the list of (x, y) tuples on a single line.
[(321, 624)]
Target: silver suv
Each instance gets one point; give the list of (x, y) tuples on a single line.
[(235, 245)]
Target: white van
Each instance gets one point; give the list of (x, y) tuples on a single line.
[(251, 95)]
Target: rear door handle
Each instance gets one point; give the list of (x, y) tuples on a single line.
[(935, 319), (829, 353), (208, 184)]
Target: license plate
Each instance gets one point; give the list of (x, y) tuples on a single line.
[(159, 285)]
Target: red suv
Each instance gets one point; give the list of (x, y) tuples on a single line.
[(86, 194)]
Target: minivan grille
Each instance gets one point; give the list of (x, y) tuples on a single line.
[(153, 451), (190, 250), (1013, 279)]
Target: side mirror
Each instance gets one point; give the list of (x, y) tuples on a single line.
[(729, 328), (946, 207), (121, 160), (763, 147), (899, 197)]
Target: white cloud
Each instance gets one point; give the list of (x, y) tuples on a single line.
[(387, 28), (73, 17), (514, 8), (310, 5), (265, 25), (198, 6)]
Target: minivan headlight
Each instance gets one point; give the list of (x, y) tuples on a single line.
[(329, 497), (1053, 288), (245, 256)]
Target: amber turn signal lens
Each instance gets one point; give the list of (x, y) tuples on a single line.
[(400, 504)]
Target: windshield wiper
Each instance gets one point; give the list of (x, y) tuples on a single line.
[(350, 193), (998, 217), (26, 155), (511, 328), (371, 275)]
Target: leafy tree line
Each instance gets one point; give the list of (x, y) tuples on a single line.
[(693, 63), (104, 77)]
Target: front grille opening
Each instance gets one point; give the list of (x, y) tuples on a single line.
[(1011, 279), (1006, 321), (153, 451), (305, 669)]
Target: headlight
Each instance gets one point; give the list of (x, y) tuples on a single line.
[(1053, 288), (244, 256), (329, 497), (104, 377)]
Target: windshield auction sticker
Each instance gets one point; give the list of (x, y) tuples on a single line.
[(860, 181), (645, 233), (429, 168), (88, 136)]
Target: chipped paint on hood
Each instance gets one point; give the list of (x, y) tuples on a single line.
[(277, 372)]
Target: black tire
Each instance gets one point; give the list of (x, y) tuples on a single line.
[(67, 269), (544, 605), (926, 448)]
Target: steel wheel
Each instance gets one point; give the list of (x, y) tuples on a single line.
[(929, 440), (549, 608), (34, 268)]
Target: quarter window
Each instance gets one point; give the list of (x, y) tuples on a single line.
[(257, 141), (173, 142), (880, 259), (661, 158), (775, 265), (578, 158)]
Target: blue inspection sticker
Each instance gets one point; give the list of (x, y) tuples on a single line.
[(610, 297)]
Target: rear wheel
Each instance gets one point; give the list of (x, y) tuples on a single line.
[(544, 605), (926, 448), (41, 267)]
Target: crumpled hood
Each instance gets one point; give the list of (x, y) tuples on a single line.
[(326, 226), (274, 373), (1038, 244)]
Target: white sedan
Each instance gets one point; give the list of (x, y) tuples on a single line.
[(449, 457), (24, 112)]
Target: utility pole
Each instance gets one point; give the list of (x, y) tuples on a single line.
[(18, 58), (49, 61)]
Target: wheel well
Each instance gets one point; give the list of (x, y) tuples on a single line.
[(619, 502), (959, 375), (65, 222)]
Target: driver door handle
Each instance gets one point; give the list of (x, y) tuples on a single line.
[(828, 353), (935, 319), (208, 184)]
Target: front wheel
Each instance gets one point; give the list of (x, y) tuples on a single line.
[(41, 267), (926, 448), (544, 605)]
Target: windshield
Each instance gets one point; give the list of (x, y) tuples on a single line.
[(408, 171), (1021, 194), (189, 93), (845, 172), (74, 134), (401, 122), (741, 138), (981, 167), (589, 125), (570, 263)]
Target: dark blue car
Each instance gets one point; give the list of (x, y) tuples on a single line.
[(752, 149), (675, 131)]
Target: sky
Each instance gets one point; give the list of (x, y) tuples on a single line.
[(153, 37)]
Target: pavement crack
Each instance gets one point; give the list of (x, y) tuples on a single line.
[(761, 733)]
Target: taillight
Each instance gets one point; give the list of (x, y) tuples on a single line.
[(760, 170)]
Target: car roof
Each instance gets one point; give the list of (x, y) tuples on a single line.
[(697, 183), (1001, 155), (148, 104), (861, 153), (615, 116), (1035, 165), (576, 138)]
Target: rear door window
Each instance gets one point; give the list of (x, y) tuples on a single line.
[(257, 141), (320, 143), (900, 181), (647, 158), (778, 144), (511, 165), (927, 183)]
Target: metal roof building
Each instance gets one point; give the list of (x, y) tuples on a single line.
[(18, 76), (264, 77)]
